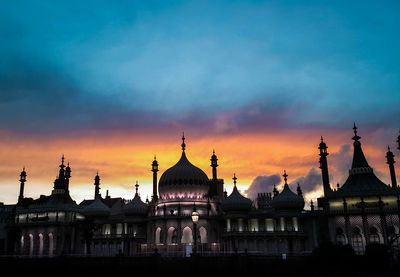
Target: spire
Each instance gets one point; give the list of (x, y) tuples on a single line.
[(68, 171), (96, 185), (356, 137), (234, 179), (359, 160), (285, 177), (183, 142), (299, 191), (62, 162), (137, 187), (390, 162), (275, 191), (312, 205)]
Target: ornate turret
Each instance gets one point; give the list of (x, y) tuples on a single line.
[(361, 180), (62, 182), (136, 206), (390, 162), (154, 168), (287, 199), (323, 165), (235, 201), (22, 181), (97, 185), (214, 164)]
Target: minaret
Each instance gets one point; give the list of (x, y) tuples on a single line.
[(97, 185), (22, 185), (67, 176), (214, 165), (61, 174), (390, 162), (154, 168), (323, 165)]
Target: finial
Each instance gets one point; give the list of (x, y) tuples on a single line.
[(234, 179), (322, 139), (137, 186), (285, 177), (183, 141), (388, 148), (155, 158), (62, 161), (356, 137), (97, 173)]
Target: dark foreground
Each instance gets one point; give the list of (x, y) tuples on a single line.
[(155, 265)]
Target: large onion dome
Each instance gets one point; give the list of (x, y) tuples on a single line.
[(235, 201), (183, 180), (136, 206), (287, 199), (97, 208)]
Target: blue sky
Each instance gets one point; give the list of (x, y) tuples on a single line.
[(129, 64)]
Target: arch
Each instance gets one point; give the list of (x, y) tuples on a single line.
[(30, 244), (158, 235), (171, 235), (40, 244), (374, 235), (187, 236), (340, 237), (22, 243), (202, 235), (357, 241), (51, 244)]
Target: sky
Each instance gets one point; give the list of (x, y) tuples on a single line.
[(110, 84)]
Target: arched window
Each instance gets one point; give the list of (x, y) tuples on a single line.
[(170, 235), (357, 241), (158, 235), (340, 237), (374, 236), (22, 244), (51, 244), (30, 244), (202, 235), (40, 244), (187, 236)]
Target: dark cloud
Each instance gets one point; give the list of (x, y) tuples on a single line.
[(339, 164), (263, 183), (308, 183)]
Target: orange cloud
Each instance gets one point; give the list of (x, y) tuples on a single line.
[(122, 158)]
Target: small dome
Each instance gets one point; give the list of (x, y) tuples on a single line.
[(97, 208), (236, 202), (287, 200), (136, 206)]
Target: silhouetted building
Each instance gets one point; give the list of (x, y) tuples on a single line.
[(190, 212)]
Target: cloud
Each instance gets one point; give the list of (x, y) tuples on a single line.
[(308, 183), (263, 183)]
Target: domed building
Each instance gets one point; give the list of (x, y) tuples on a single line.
[(189, 211)]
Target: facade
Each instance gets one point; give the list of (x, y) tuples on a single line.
[(188, 211)]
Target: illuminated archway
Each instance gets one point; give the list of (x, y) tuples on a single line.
[(203, 235), (187, 236), (51, 245), (40, 244), (158, 235)]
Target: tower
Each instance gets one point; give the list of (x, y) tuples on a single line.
[(390, 162), (96, 186), (154, 168), (214, 165), (22, 185), (323, 165)]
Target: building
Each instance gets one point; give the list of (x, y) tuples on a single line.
[(189, 211)]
